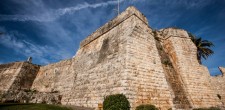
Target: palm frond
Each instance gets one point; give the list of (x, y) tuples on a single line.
[(203, 47)]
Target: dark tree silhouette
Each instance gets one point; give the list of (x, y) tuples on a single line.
[(203, 47)]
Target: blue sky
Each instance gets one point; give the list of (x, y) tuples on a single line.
[(51, 30)]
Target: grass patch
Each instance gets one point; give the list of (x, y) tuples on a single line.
[(16, 106)]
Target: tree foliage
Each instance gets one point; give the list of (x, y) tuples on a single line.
[(203, 47), (116, 102)]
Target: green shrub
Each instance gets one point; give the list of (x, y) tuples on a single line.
[(116, 102), (211, 108), (146, 107)]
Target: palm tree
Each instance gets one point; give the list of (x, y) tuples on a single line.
[(203, 47)]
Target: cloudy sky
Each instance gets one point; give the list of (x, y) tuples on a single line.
[(51, 30)]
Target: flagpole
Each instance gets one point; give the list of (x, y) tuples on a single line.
[(118, 7)]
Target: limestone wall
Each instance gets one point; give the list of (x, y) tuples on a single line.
[(145, 75), (125, 60), (100, 67), (123, 56), (217, 83), (194, 76), (16, 76), (179, 95), (25, 77), (8, 73), (56, 77)]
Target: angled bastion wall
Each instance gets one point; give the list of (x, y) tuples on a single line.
[(195, 77), (123, 56), (120, 57)]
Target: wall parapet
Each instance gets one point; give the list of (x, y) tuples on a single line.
[(123, 56), (113, 23), (173, 32)]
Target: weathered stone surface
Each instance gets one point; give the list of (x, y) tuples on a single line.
[(55, 77), (182, 53), (130, 11), (15, 77), (123, 56), (8, 74), (217, 83), (31, 96), (177, 89), (18, 75)]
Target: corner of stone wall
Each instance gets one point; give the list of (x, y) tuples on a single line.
[(146, 76), (182, 53), (222, 70), (22, 75), (179, 95)]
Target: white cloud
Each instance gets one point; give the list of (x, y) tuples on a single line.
[(10, 41), (179, 3), (203, 30), (85, 5), (52, 15), (61, 42), (41, 52)]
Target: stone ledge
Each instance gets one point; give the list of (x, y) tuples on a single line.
[(113, 23), (11, 65), (173, 32)]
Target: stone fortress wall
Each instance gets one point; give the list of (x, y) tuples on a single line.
[(15, 77), (18, 75), (120, 57), (124, 56), (194, 77), (57, 77), (218, 84), (8, 74)]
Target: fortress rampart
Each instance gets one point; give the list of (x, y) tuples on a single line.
[(123, 56)]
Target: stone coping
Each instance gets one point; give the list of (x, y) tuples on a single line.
[(113, 23)]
